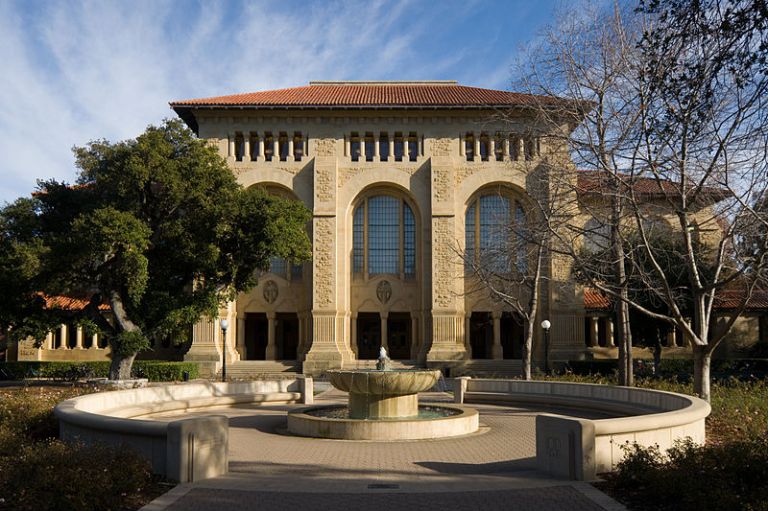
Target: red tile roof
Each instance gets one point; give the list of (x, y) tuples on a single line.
[(598, 182), (371, 94), (70, 303), (594, 299)]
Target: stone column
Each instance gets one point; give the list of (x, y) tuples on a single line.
[(231, 145), (521, 149), (672, 338), (261, 147), (353, 334), (291, 156), (272, 326), (609, 333), (246, 146), (79, 338), (241, 349), (593, 331), (391, 139), (477, 148), (64, 337), (95, 342), (376, 137), (49, 341), (406, 149), (506, 155), (497, 351), (384, 317), (491, 148)]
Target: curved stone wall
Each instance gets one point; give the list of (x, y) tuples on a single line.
[(579, 448)]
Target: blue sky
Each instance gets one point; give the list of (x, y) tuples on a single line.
[(75, 71)]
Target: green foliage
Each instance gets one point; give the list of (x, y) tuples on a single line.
[(165, 371), (158, 226), (38, 472), (696, 478), (154, 370)]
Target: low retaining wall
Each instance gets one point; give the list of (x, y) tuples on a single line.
[(576, 448), (182, 450)]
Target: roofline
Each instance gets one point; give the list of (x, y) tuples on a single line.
[(384, 82)]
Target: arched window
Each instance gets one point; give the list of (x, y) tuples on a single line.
[(384, 237), (495, 234)]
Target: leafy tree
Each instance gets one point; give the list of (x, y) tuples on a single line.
[(158, 228)]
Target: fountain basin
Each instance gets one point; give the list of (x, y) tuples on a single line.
[(387, 394), (463, 422)]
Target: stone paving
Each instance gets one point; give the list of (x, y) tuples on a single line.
[(491, 469)]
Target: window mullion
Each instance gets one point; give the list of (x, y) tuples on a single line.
[(401, 235), (365, 239)]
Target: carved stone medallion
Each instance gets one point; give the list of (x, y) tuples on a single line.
[(384, 291), (270, 291)]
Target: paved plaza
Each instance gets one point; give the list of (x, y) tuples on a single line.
[(491, 469)]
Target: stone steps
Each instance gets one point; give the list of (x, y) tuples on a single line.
[(263, 369), (489, 368)]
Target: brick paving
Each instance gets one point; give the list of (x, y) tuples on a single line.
[(491, 469)]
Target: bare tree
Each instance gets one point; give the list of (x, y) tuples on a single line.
[(668, 111)]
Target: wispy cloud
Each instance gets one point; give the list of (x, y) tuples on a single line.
[(74, 71)]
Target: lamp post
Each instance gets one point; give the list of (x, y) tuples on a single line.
[(224, 325), (546, 325)]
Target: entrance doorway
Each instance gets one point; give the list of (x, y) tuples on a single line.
[(481, 334), (287, 335), (512, 335), (368, 335), (256, 331), (399, 335)]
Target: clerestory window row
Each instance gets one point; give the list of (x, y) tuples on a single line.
[(268, 146), (384, 146), (484, 146)]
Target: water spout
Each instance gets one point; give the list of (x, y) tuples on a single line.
[(383, 362)]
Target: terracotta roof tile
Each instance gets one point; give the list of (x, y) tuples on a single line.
[(594, 299), (371, 94), (70, 303), (597, 182)]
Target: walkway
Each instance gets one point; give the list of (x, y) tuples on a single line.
[(489, 470)]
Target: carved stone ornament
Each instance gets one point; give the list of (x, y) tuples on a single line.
[(384, 291), (270, 291)]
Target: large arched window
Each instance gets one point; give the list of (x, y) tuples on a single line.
[(495, 234), (384, 237)]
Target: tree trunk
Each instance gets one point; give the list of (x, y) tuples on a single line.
[(622, 308), (120, 368), (702, 361), (533, 306)]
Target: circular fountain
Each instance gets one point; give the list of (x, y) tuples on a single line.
[(383, 405)]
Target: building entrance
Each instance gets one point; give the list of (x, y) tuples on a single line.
[(368, 335), (287, 335), (399, 335), (256, 336), (512, 335), (481, 334)]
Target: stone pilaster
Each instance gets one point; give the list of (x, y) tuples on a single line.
[(330, 342), (447, 320)]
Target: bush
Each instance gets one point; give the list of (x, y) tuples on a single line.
[(694, 477), (53, 475), (164, 371), (154, 370)]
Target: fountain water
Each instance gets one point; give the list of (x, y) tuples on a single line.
[(383, 405)]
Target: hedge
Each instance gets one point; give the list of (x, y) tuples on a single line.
[(154, 370), (680, 368)]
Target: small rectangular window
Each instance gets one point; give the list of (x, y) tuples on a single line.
[(253, 140), (485, 148), (469, 146), (239, 146), (383, 147), (413, 147), (282, 146), (399, 147), (298, 146), (269, 146), (369, 146), (354, 146)]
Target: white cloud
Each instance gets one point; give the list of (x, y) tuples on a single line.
[(77, 71)]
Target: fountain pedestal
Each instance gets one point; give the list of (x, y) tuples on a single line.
[(382, 406)]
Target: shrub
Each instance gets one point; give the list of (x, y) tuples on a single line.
[(164, 371), (694, 477), (53, 475), (154, 370)]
